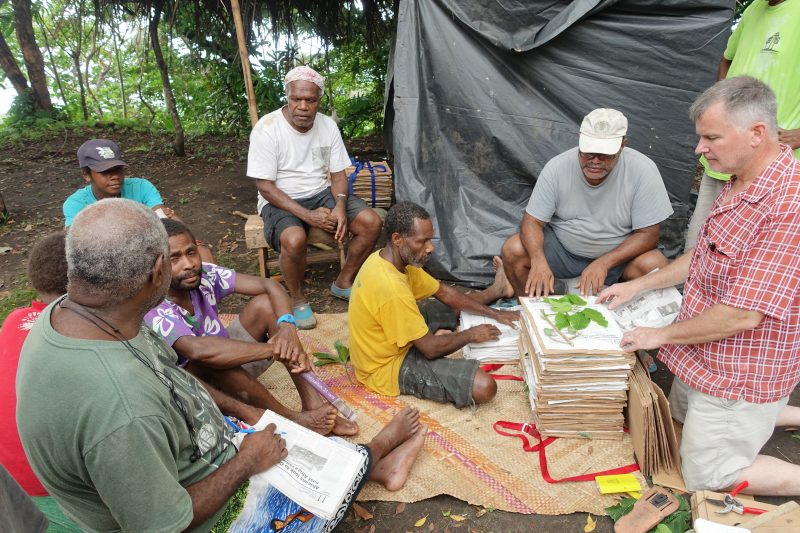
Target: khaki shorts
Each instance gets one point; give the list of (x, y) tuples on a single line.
[(720, 436), (237, 332)]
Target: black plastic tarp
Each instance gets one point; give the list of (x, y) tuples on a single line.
[(482, 94)]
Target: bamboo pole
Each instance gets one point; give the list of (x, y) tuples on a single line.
[(248, 80)]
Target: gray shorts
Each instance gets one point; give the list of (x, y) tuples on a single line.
[(442, 380), (564, 264), (237, 332), (276, 220), (720, 436)]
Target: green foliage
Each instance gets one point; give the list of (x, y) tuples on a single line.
[(677, 522), (620, 509), (10, 300), (596, 316), (342, 357), (106, 50), (570, 314), (23, 114), (232, 510)]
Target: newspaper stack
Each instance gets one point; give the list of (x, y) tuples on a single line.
[(503, 350), (381, 174), (577, 382)]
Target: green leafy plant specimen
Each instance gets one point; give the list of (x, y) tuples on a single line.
[(342, 357), (570, 313)]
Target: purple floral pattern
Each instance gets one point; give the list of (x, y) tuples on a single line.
[(171, 321)]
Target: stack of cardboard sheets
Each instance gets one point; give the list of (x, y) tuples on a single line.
[(655, 442), (384, 183), (577, 381)]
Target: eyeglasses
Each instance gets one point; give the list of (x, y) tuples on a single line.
[(601, 157)]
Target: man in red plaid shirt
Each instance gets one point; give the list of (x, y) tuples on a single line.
[(735, 346)]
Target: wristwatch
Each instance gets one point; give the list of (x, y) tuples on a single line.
[(288, 318)]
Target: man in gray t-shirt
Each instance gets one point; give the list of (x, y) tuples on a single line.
[(595, 212)]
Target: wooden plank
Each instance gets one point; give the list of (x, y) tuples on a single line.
[(321, 256), (785, 518)]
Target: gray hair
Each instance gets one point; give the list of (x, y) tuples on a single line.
[(111, 248), (746, 101)]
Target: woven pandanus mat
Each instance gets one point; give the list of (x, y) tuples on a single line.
[(463, 456)]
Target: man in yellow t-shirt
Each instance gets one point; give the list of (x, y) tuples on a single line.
[(765, 45), (398, 346)]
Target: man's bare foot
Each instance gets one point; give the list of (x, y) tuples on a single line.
[(345, 428), (320, 419), (392, 471), (501, 283), (399, 429)]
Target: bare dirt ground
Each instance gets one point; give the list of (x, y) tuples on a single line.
[(204, 188)]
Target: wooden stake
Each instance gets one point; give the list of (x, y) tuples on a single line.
[(248, 80)]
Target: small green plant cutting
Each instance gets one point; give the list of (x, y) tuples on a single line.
[(568, 316), (342, 357)]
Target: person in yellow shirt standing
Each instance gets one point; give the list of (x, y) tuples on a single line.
[(398, 346), (765, 45)]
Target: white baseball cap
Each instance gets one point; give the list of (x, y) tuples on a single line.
[(602, 131)]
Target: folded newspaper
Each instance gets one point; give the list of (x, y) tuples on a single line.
[(503, 349), (656, 308), (318, 472)]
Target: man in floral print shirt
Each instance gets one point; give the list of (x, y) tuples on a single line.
[(231, 358)]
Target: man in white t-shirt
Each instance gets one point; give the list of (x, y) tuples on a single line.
[(595, 212), (292, 152)]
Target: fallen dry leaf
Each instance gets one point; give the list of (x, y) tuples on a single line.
[(362, 513), (480, 512), (400, 508), (431, 527), (421, 521), (457, 518), (591, 523)]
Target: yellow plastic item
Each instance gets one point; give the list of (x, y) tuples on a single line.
[(618, 483)]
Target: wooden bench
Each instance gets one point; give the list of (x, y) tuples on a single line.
[(325, 248)]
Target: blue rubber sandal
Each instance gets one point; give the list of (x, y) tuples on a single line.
[(342, 294), (304, 317)]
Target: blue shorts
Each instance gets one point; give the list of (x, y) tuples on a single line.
[(276, 220), (566, 265)]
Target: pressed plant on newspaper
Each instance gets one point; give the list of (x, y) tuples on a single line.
[(568, 316)]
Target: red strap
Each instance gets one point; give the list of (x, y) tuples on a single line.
[(530, 430), (499, 377)]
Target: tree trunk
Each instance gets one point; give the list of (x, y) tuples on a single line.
[(34, 62), (10, 67), (3, 210), (52, 62), (76, 62), (87, 64), (169, 98), (119, 72)]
